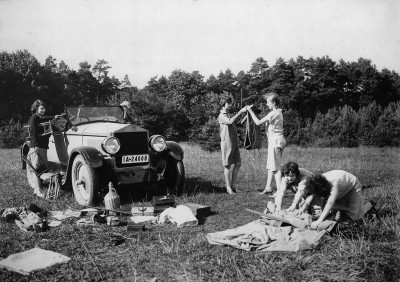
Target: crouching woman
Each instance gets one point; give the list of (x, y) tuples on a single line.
[(341, 191), (294, 179)]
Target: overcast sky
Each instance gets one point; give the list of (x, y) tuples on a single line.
[(147, 38)]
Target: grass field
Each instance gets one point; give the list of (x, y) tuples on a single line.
[(365, 252)]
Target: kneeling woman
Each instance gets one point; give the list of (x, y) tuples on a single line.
[(341, 190)]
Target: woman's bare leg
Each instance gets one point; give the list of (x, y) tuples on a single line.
[(227, 175), (268, 187), (235, 172)]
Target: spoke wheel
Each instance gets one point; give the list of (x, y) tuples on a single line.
[(85, 181)]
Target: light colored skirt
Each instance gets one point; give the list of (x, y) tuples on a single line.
[(38, 158), (352, 203), (274, 159)]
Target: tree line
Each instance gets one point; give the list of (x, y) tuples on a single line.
[(325, 103)]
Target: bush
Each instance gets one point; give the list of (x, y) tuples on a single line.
[(387, 130), (337, 128), (348, 124), (325, 130), (292, 123), (12, 135), (367, 119), (207, 136)]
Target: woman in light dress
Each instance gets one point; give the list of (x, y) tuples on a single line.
[(276, 142)]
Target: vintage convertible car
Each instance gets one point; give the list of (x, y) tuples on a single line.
[(91, 146)]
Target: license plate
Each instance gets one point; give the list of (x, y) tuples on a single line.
[(134, 159)]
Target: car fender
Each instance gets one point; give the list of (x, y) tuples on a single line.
[(24, 153), (176, 150), (91, 155)]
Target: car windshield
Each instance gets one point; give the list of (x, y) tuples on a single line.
[(78, 115)]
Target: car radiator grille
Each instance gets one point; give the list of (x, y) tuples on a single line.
[(132, 143)]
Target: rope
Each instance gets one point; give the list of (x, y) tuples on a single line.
[(54, 186), (95, 265)]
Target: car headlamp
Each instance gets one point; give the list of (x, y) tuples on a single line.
[(157, 143), (111, 145)]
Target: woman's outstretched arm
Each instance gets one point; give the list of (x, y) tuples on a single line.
[(254, 117), (226, 120)]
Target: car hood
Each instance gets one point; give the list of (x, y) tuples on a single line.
[(105, 128)]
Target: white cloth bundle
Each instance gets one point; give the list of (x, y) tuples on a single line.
[(181, 215)]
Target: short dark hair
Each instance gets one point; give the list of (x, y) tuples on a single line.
[(224, 100), (36, 105), (274, 98), (290, 167), (318, 185)]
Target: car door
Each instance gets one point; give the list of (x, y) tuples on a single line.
[(57, 154)]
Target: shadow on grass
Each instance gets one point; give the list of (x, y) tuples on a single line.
[(203, 219), (386, 212), (144, 192), (364, 187), (140, 192), (196, 185), (361, 230)]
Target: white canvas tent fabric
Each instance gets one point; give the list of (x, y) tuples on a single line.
[(258, 236), (32, 260)]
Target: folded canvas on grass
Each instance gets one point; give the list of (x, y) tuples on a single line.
[(31, 260), (260, 237)]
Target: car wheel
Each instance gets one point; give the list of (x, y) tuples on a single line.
[(175, 176), (84, 181)]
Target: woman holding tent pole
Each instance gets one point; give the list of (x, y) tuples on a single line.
[(229, 143), (276, 142)]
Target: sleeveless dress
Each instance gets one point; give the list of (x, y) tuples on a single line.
[(275, 139)]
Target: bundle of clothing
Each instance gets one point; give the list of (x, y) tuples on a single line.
[(31, 218)]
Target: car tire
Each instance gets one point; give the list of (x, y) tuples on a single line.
[(175, 176), (85, 181)]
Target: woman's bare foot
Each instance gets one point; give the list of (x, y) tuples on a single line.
[(266, 191), (230, 191)]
